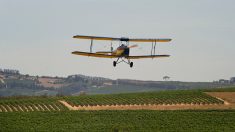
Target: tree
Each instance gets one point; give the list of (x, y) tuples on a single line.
[(166, 78)]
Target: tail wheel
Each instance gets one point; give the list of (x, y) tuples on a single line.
[(114, 63), (131, 64)]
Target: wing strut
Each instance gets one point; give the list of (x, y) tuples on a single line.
[(153, 48), (111, 46), (91, 45)]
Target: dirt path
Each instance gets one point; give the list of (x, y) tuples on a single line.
[(20, 109), (36, 107), (3, 108), (40, 107), (227, 97), (26, 108), (9, 108), (14, 108), (46, 108), (52, 108), (30, 108), (57, 108)]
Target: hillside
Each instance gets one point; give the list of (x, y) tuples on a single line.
[(13, 83)]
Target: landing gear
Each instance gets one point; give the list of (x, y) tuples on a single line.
[(114, 63), (131, 64), (122, 60)]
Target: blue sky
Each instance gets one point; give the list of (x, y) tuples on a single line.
[(36, 37)]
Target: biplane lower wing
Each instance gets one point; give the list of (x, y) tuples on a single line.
[(100, 55), (94, 54), (147, 56)]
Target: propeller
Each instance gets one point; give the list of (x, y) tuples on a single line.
[(133, 46)]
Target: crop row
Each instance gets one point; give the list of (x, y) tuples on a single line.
[(30, 104), (172, 97)]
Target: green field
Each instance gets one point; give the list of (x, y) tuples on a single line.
[(119, 120), (163, 97), (48, 114)]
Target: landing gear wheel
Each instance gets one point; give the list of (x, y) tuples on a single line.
[(114, 63), (131, 64)]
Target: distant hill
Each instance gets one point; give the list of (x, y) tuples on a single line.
[(13, 83)]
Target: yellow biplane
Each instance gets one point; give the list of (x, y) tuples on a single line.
[(122, 52)]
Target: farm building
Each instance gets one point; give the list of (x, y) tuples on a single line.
[(232, 80)]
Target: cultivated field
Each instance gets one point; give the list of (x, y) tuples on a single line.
[(141, 120), (165, 100), (158, 98), (154, 100), (121, 112), (26, 104)]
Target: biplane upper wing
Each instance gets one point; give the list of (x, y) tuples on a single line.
[(95, 37), (146, 56), (122, 39), (150, 40), (94, 54)]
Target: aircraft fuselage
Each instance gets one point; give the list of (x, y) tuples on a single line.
[(122, 50)]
